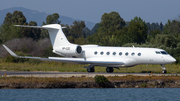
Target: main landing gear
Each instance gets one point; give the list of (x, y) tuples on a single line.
[(164, 69), (90, 68), (109, 69)]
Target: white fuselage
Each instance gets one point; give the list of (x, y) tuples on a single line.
[(131, 56)]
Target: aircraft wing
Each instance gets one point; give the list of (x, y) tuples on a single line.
[(66, 60)]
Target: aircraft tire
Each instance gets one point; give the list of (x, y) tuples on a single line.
[(164, 71), (90, 70), (109, 69)]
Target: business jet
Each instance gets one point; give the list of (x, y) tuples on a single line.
[(95, 55)]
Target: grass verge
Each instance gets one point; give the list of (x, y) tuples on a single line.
[(69, 67)]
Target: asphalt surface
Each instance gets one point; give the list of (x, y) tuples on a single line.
[(71, 74)]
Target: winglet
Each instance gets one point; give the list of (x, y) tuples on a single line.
[(10, 52)]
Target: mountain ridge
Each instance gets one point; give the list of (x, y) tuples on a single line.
[(39, 17)]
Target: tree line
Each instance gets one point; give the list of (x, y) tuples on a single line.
[(112, 30)]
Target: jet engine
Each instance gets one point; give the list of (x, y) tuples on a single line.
[(70, 50)]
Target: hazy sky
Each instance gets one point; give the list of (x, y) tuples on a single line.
[(92, 10)]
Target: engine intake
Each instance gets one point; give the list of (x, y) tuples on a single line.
[(79, 49), (70, 50)]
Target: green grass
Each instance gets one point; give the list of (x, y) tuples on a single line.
[(69, 67), (43, 66)]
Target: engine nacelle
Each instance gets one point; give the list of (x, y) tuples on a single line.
[(70, 50)]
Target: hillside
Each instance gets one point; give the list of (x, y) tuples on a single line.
[(39, 17)]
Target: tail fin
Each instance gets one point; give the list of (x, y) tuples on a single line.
[(56, 34)]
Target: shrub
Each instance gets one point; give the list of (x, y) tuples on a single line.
[(101, 80), (34, 61), (144, 85), (177, 60), (48, 52), (14, 59)]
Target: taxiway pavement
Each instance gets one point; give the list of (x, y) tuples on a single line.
[(72, 74)]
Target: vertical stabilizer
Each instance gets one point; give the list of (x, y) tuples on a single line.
[(56, 34)]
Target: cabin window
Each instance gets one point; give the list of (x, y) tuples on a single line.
[(102, 53), (164, 53), (120, 53), (114, 53), (133, 54), (95, 52), (139, 54), (157, 52), (108, 53), (126, 53)]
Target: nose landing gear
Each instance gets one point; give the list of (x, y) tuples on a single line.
[(164, 69)]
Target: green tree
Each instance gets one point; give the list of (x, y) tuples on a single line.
[(167, 40), (8, 19), (50, 19), (161, 27), (53, 19), (108, 29), (16, 18), (80, 40), (77, 32), (137, 30), (87, 32), (94, 29), (111, 22), (122, 37), (8, 31), (155, 32), (34, 32), (172, 27), (77, 29)]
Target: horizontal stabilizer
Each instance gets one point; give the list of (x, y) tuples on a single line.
[(44, 27), (56, 34)]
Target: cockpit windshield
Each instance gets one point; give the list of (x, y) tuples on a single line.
[(162, 52), (157, 52)]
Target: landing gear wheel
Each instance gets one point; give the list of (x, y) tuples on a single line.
[(109, 69), (90, 69), (164, 71)]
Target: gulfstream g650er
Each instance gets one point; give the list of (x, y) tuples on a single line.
[(94, 55)]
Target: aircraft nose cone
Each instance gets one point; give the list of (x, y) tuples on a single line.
[(172, 60)]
